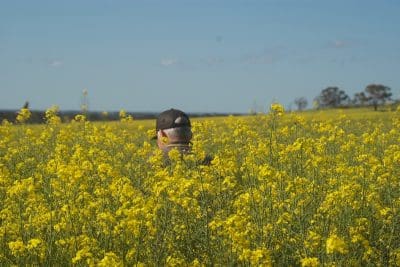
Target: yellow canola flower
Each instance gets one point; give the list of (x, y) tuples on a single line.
[(23, 115), (258, 257), (124, 116), (17, 247), (277, 109), (80, 118), (51, 115), (110, 259), (334, 244), (34, 243), (310, 262), (82, 254)]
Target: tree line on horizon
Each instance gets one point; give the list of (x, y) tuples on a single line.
[(330, 97), (333, 97)]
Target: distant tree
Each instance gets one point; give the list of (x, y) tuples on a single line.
[(378, 94), (301, 103), (332, 97), (360, 99)]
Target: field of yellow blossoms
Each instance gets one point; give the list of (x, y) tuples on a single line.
[(281, 190)]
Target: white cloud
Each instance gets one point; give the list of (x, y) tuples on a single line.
[(339, 44), (167, 62), (213, 61), (259, 59), (268, 56), (55, 63)]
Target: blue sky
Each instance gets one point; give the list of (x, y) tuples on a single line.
[(200, 56)]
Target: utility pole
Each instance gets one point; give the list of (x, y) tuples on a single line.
[(84, 102)]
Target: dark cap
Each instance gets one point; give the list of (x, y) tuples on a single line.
[(172, 118)]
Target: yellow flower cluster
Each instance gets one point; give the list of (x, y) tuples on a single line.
[(23, 115), (277, 108), (281, 190), (335, 244)]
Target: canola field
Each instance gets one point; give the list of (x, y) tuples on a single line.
[(282, 190)]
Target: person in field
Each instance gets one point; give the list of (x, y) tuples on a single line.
[(173, 130)]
